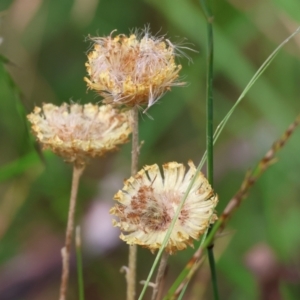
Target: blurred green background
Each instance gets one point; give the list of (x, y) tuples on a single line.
[(45, 43)]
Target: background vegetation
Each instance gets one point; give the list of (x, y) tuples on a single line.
[(45, 42)]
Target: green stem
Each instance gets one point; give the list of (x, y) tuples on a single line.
[(209, 106), (79, 264), (212, 265), (209, 126), (218, 131), (182, 292)]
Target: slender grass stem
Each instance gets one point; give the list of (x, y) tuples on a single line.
[(77, 171), (209, 127), (218, 131), (209, 102), (156, 295), (79, 264), (131, 272), (212, 265), (182, 292), (251, 177)]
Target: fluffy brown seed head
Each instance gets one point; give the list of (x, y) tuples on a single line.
[(148, 203), (132, 70), (79, 132)]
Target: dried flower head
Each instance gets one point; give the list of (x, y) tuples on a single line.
[(148, 203), (132, 70), (79, 132)]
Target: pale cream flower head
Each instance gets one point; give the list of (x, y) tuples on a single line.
[(132, 70), (148, 203), (79, 132)]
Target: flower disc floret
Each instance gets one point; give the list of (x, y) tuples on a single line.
[(148, 203), (132, 70), (79, 132)]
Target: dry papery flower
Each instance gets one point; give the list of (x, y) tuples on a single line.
[(133, 70), (148, 203), (79, 132)]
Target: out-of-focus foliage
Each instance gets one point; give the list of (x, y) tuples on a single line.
[(45, 44)]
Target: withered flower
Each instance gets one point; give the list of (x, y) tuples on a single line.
[(132, 70), (79, 132), (148, 203)]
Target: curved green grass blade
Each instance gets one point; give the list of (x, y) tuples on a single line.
[(216, 136), (251, 82), (206, 240), (187, 17), (182, 292)]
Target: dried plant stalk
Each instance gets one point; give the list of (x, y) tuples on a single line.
[(131, 272), (252, 177), (157, 289), (77, 171)]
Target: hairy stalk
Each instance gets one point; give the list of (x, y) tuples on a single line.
[(157, 290), (77, 171), (250, 178), (131, 272), (209, 128), (79, 263)]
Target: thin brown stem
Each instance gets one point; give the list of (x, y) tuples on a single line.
[(131, 272), (252, 176), (135, 140), (157, 289), (192, 266), (77, 171)]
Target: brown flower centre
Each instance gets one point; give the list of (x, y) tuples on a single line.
[(155, 210)]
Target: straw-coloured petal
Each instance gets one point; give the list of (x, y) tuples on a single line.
[(148, 203), (79, 132), (132, 70)]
